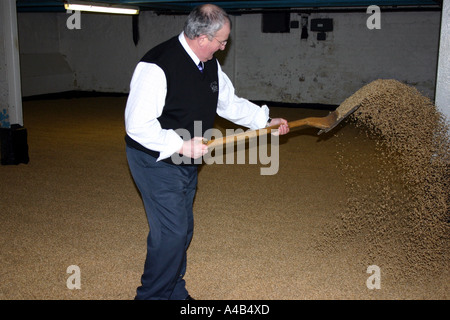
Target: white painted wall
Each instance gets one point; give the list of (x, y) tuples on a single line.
[(101, 53), (4, 90), (44, 68), (10, 86), (275, 67), (282, 66)]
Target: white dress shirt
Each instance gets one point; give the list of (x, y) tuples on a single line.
[(146, 101)]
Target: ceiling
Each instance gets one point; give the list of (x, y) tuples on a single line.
[(239, 6)]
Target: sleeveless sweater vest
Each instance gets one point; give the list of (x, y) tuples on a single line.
[(191, 95)]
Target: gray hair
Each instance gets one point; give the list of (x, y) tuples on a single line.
[(205, 19)]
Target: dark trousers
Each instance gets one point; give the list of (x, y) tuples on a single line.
[(168, 194)]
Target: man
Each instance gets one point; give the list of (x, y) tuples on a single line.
[(177, 83)]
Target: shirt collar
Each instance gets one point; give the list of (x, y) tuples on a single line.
[(188, 49)]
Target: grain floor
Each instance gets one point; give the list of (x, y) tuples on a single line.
[(273, 237)]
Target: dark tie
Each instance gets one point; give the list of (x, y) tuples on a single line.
[(200, 66)]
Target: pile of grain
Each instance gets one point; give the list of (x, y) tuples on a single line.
[(398, 203)]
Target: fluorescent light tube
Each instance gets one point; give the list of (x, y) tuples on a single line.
[(91, 7)]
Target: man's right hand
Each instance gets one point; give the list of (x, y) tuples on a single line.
[(194, 148)]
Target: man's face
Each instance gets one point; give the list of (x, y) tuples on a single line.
[(217, 43)]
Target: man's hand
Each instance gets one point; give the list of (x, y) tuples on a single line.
[(283, 126), (194, 148)]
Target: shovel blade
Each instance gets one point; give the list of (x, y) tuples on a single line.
[(336, 117)]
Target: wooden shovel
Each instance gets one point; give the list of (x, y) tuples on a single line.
[(325, 124)]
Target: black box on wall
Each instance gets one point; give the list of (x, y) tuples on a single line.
[(276, 22), (14, 145), (321, 26)]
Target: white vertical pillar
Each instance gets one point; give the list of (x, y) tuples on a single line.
[(11, 97), (442, 96)]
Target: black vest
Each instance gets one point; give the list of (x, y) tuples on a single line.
[(191, 95)]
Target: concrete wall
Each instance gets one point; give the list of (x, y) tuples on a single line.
[(10, 85), (44, 68), (4, 117), (281, 67)]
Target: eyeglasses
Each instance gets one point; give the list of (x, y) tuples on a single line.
[(222, 43)]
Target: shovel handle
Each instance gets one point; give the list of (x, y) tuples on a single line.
[(316, 122), (252, 133), (240, 136)]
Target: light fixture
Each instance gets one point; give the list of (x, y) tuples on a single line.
[(100, 7)]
